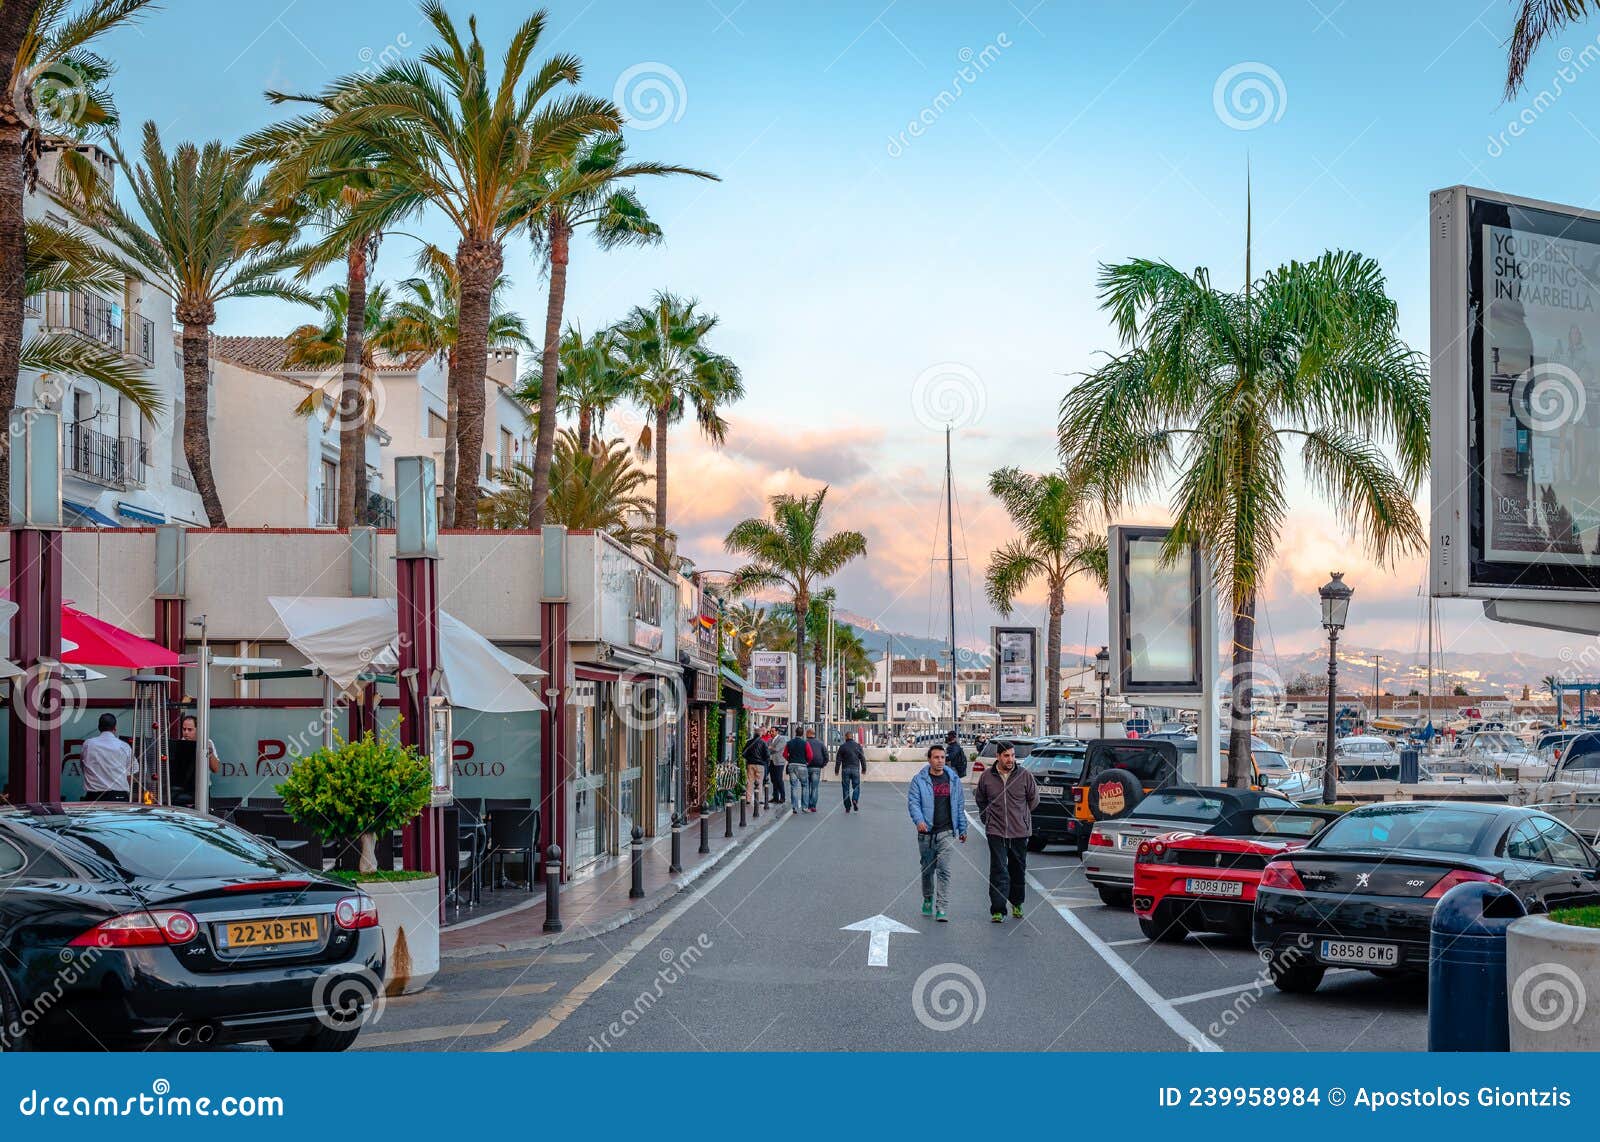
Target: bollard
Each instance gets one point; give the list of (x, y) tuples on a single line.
[(705, 827), (1410, 767), (637, 889), (742, 821), (727, 814), (552, 889), (677, 844), (766, 791), (1467, 968), (755, 803)]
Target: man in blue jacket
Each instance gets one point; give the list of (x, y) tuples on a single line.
[(938, 809)]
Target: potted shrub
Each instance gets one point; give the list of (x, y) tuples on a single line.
[(359, 789), (1552, 976)]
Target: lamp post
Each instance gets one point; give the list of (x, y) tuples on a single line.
[(1102, 671), (1335, 596)]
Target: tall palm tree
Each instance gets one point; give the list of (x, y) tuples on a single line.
[(444, 131), (427, 324), (597, 489), (593, 379), (674, 370), (791, 551), (202, 209), (1214, 387), (586, 186), (57, 87), (1537, 21), (323, 346), (1052, 544)]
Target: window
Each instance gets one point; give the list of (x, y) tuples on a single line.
[(177, 848), (1179, 807), (1299, 825), (1426, 827), (1563, 848), (488, 466), (1525, 843), (10, 860), (505, 449), (436, 425)]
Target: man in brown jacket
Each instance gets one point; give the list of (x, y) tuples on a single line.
[(1007, 795)]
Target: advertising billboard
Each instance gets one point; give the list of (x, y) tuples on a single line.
[(1515, 387), (772, 675), (1014, 667), (1157, 614)]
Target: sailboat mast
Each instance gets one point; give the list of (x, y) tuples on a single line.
[(950, 558)]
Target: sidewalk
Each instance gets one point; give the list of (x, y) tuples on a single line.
[(596, 900)]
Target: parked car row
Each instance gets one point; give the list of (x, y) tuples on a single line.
[(130, 926)]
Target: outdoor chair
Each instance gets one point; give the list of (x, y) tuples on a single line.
[(513, 831)]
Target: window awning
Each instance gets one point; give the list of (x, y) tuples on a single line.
[(88, 514), (143, 515)]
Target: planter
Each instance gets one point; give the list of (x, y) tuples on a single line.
[(408, 912), (1553, 985)]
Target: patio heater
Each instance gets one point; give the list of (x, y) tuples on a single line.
[(1335, 594), (152, 743)]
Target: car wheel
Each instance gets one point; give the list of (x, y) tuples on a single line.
[(1296, 977), (1166, 930), (1115, 897), (1036, 844), (322, 1039)]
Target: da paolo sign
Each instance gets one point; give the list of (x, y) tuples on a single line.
[(1014, 666), (1516, 398), (1157, 614)]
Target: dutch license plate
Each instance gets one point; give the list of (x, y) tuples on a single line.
[(1198, 887), (267, 932), (1359, 952)]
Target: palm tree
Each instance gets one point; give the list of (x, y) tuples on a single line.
[(323, 346), (57, 87), (445, 132), (1213, 387), (674, 370), (427, 324), (753, 627), (1537, 21), (586, 186), (593, 379), (597, 489), (202, 206), (1051, 544), (790, 551)]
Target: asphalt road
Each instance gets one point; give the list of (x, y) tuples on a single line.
[(754, 958)]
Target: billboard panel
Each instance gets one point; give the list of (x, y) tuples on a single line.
[(1157, 614), (1014, 667), (772, 675), (1516, 397)]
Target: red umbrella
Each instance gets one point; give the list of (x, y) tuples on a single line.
[(101, 644)]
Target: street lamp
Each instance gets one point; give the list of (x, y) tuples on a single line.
[(1335, 596), (1102, 671)]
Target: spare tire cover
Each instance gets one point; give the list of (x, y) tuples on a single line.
[(1113, 794)]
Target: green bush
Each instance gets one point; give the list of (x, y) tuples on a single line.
[(1586, 917), (358, 789)]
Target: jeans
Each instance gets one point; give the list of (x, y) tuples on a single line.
[(935, 850), (1008, 865), (775, 778), (850, 780), (813, 785), (797, 786)]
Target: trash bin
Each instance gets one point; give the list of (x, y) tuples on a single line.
[(1410, 766), (1467, 968)]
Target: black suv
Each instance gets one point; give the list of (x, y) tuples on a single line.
[(1056, 768)]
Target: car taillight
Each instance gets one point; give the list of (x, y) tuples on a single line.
[(141, 930), (1459, 876), (267, 886), (1078, 792), (355, 912), (1281, 874), (1151, 850), (1099, 840)]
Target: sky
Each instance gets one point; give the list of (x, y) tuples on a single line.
[(876, 281)]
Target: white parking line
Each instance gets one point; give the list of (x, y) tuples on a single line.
[(1259, 983), (1125, 943)]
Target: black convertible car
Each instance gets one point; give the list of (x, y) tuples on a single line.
[(128, 926), (1362, 893)]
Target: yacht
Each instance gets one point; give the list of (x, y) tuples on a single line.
[(1366, 757)]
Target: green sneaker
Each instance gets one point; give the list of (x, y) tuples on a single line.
[(998, 917), (1016, 911), (941, 917), (927, 907)]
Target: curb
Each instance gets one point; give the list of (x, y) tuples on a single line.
[(629, 914)]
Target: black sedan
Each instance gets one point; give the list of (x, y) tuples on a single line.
[(128, 926), (1362, 893)]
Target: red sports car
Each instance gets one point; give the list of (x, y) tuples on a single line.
[(1185, 883)]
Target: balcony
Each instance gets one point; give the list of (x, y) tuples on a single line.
[(380, 511), (182, 479), (102, 323), (115, 461)]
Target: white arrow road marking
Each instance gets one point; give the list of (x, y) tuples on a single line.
[(881, 927)]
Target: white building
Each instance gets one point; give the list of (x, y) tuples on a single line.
[(922, 689)]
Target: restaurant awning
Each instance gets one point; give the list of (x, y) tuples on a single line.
[(344, 637), (753, 701)]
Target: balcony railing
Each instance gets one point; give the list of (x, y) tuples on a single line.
[(117, 461), (182, 479), (380, 511), (103, 322)]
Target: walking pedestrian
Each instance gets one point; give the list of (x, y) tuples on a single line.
[(108, 764), (775, 767), (1007, 795), (849, 763), (795, 753), (938, 809), (816, 761), (757, 757), (954, 755)]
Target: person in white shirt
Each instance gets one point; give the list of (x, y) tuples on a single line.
[(108, 763)]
